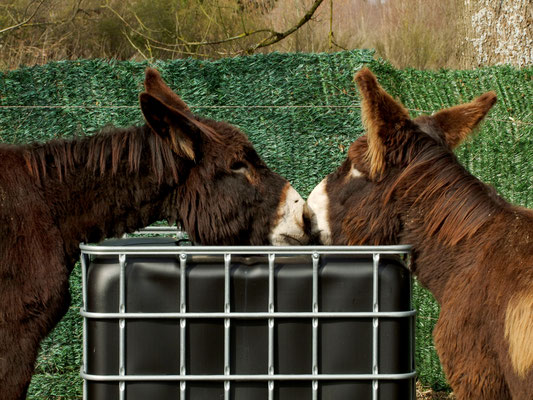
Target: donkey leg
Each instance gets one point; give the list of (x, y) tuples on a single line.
[(470, 367), (18, 351), (20, 339), (521, 387)]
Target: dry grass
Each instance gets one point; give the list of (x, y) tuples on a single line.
[(423, 393), (138, 29), (409, 33)]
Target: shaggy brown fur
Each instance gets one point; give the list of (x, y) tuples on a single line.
[(472, 249), (55, 195)]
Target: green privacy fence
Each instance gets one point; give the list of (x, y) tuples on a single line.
[(300, 111)]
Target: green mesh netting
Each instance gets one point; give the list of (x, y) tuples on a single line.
[(300, 111)]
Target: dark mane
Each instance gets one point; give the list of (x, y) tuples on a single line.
[(460, 203), (100, 153)]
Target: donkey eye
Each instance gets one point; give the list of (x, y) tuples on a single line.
[(239, 166)]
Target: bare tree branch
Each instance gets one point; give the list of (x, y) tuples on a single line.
[(133, 45), (278, 36), (331, 35), (27, 20), (76, 10), (273, 36), (186, 42)]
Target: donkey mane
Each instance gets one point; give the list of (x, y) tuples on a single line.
[(100, 153), (460, 203), (105, 150)]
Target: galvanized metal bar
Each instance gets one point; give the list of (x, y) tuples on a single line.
[(375, 325), (241, 250), (122, 326), (183, 323), (314, 370), (271, 265), (84, 265), (227, 323), (407, 260), (251, 378), (251, 315)]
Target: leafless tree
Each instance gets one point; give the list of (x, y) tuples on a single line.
[(29, 13), (177, 43)]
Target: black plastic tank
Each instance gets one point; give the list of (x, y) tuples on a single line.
[(344, 344)]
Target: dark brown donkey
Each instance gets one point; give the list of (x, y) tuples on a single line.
[(401, 183), (204, 173)]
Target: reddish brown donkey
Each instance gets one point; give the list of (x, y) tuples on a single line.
[(401, 183), (204, 173)]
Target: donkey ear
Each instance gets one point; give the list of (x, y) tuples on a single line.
[(382, 117), (154, 85), (458, 122), (172, 125)]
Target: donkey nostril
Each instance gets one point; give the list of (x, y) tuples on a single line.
[(296, 201)]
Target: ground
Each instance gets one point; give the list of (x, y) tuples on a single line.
[(423, 393)]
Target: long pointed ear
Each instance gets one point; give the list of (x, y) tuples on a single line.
[(173, 126), (154, 85), (458, 122), (382, 117)]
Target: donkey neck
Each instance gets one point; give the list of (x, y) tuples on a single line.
[(107, 185), (447, 215)]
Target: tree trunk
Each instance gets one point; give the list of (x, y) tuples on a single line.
[(498, 32)]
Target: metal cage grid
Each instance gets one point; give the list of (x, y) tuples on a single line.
[(227, 315)]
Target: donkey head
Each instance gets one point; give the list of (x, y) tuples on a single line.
[(226, 194), (363, 201)]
